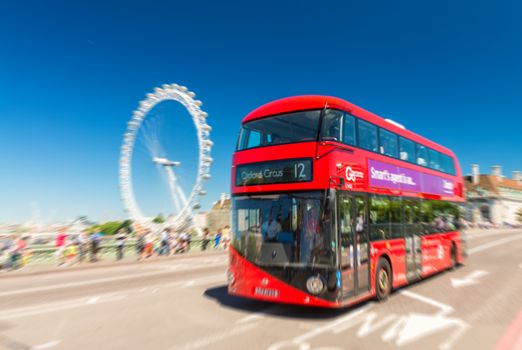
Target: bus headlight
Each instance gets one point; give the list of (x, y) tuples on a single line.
[(315, 285)]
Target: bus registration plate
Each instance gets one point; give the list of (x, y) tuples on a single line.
[(266, 292)]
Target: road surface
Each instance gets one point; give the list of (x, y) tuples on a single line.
[(182, 304)]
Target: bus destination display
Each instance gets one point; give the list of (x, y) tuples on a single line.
[(281, 171)]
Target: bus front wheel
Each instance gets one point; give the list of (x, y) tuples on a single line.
[(383, 280)]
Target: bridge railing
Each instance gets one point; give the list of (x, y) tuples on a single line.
[(40, 253)]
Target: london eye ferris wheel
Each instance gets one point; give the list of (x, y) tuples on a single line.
[(184, 204)]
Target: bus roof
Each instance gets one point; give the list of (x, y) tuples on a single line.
[(306, 102)]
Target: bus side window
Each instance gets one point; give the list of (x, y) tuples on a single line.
[(396, 217), (407, 150), (422, 155), (332, 125), (434, 159), (388, 143), (367, 135), (349, 130), (380, 218), (254, 139), (447, 164)]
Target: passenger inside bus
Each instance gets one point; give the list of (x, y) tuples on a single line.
[(275, 139), (311, 241)]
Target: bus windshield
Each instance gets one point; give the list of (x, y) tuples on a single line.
[(283, 230), (284, 128)]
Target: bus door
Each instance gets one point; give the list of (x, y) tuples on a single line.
[(412, 239), (354, 244)]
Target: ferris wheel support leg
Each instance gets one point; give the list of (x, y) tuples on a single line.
[(172, 186)]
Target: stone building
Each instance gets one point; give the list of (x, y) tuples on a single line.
[(219, 214), (493, 197)]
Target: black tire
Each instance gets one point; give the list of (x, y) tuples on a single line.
[(383, 279)]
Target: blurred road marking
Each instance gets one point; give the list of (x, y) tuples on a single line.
[(398, 330), (300, 342), (93, 300), (249, 318), (489, 245), (52, 307), (469, 280), (445, 309), (204, 280), (259, 314), (77, 284), (88, 282), (46, 345), (105, 298)]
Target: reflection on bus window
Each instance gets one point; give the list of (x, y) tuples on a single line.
[(349, 130), (367, 135), (422, 155), (434, 159), (254, 139), (407, 150), (389, 143), (283, 230), (331, 129), (285, 128)]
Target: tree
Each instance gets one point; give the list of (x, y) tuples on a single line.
[(159, 219), (109, 228)]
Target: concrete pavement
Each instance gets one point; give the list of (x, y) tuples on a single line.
[(183, 304)]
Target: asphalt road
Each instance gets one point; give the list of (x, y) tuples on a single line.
[(183, 304)]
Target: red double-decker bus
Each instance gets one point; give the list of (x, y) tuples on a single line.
[(332, 205)]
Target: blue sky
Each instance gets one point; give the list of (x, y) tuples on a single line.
[(71, 73)]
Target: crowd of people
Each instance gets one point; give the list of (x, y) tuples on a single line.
[(72, 249), (13, 252)]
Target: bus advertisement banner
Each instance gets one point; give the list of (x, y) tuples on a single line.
[(395, 177)]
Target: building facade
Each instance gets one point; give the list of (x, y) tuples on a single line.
[(219, 215), (493, 197)]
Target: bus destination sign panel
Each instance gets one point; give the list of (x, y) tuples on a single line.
[(274, 172)]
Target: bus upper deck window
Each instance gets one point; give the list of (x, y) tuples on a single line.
[(254, 139), (422, 155), (332, 125), (389, 144), (406, 150), (367, 135), (349, 130), (434, 159)]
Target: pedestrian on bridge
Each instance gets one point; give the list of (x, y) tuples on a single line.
[(217, 239), (120, 243), (165, 242), (205, 238), (59, 244), (95, 238), (82, 243)]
